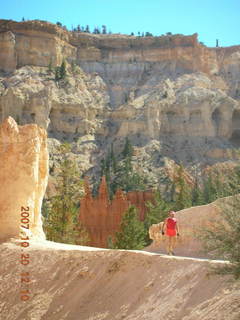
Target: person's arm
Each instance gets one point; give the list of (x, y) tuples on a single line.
[(163, 227), (177, 229)]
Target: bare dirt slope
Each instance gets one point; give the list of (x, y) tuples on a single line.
[(70, 282)]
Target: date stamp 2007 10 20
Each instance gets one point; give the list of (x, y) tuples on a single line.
[(25, 257)]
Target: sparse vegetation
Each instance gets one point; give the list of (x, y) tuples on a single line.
[(222, 238), (61, 222)]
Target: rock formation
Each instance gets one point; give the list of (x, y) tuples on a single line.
[(23, 178), (174, 98), (102, 217)]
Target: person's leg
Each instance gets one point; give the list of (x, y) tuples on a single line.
[(172, 244), (168, 245)]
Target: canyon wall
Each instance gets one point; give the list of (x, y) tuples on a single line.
[(173, 97), (23, 178), (130, 65)]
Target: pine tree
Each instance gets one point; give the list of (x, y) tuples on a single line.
[(61, 222), (127, 149), (120, 174), (57, 74), (183, 195), (157, 212), (209, 190), (197, 194), (62, 71), (132, 234), (104, 29)]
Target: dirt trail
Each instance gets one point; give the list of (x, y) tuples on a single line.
[(82, 283)]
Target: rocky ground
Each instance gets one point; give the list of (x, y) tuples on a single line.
[(79, 283)]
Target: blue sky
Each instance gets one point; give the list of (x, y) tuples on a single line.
[(211, 19)]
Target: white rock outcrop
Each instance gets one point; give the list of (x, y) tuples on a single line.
[(23, 178)]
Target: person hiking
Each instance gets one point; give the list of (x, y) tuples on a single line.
[(170, 228)]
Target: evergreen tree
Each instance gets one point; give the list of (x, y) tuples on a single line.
[(120, 174), (183, 193), (61, 218), (96, 30), (157, 212), (57, 74), (87, 30), (197, 194), (209, 190), (62, 70), (127, 149), (104, 29), (132, 234)]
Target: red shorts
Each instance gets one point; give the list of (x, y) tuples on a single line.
[(171, 232)]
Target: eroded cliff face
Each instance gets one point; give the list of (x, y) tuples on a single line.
[(174, 98), (32, 43), (130, 66), (23, 178)]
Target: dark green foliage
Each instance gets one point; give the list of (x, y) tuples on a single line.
[(60, 72), (222, 239), (57, 74), (61, 215), (197, 194), (120, 173), (63, 71), (217, 185), (128, 149), (183, 191), (96, 30), (132, 234), (58, 24), (157, 212), (104, 29)]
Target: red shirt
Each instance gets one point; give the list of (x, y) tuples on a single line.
[(171, 223)]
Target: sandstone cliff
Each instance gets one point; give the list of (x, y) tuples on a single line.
[(23, 178), (176, 99)]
